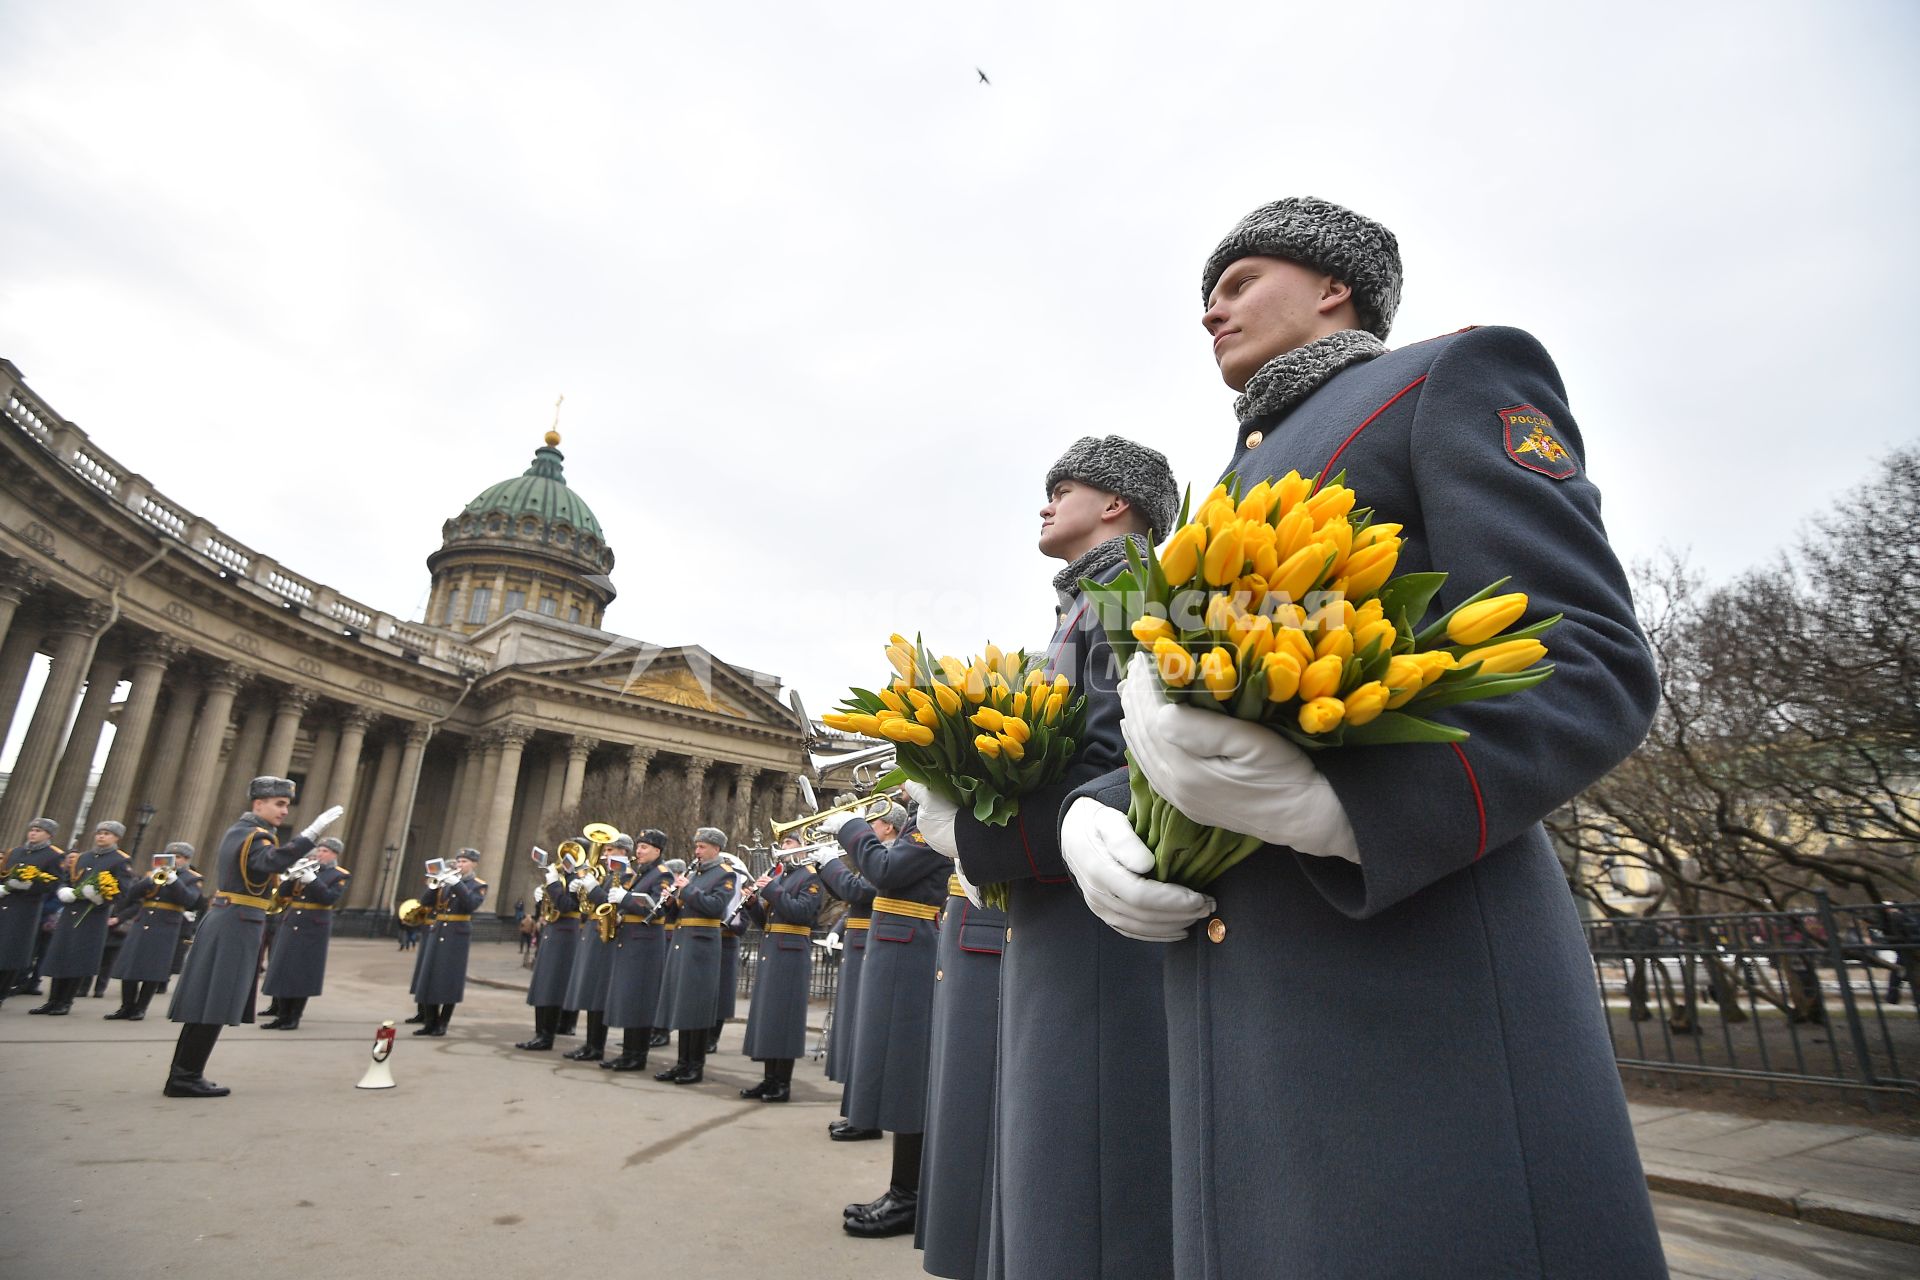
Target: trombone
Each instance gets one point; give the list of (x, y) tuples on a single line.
[(867, 808)]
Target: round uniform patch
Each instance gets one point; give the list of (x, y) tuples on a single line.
[(1532, 441)]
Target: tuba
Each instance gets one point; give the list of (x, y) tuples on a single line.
[(413, 913)]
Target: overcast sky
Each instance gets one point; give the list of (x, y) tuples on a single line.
[(823, 306)]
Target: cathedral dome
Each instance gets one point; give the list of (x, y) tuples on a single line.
[(541, 490)]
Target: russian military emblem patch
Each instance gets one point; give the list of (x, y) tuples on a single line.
[(1533, 442)]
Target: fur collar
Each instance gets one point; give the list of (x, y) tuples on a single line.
[(1292, 376), (1097, 563)]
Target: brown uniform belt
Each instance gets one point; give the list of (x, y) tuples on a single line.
[(163, 906), (450, 916), (801, 929), (309, 906), (698, 922), (858, 922), (901, 907), (241, 900)]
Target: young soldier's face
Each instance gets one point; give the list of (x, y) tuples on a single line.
[(1266, 307), (103, 839), (1070, 522), (274, 809)]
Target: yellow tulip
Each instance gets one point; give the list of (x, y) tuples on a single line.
[(1224, 557), (902, 660), (1217, 673), (1060, 684), (1337, 534), (864, 724), (1293, 489), (1056, 702), (1366, 703), (1479, 623), (1035, 676), (1370, 611), (1249, 592), (987, 718), (1257, 503), (1319, 715), (918, 698), (1321, 677), (1282, 671), (1176, 664), (1010, 665), (1020, 704), (1335, 642), (956, 671), (885, 717), (1367, 633), (1219, 613), (1016, 728), (1010, 747), (1499, 659), (907, 731), (1290, 615), (987, 745), (1265, 558), (899, 641), (992, 657), (1336, 615), (1147, 631), (1376, 533), (976, 685), (1435, 664), (1294, 578), (894, 701), (1405, 677), (927, 716), (1330, 505), (1293, 640), (835, 720), (1294, 531), (1368, 569), (949, 700), (1181, 556), (1216, 514)]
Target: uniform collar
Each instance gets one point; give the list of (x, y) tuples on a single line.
[(256, 820), (1292, 376), (1097, 564)]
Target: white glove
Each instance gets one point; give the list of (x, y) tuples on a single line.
[(18, 886), (322, 822), (616, 895), (4, 891), (937, 816), (309, 875), (1223, 772), (539, 895), (189, 916), (573, 886), (832, 823), (91, 893), (553, 875), (589, 883), (966, 885), (65, 893), (1112, 866)]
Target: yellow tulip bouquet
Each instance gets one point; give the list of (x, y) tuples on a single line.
[(1279, 605), (28, 874), (103, 883)]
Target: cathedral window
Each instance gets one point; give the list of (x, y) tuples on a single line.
[(482, 597)]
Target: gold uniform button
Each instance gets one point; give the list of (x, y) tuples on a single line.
[(1009, 935), (939, 975), (1253, 442), (1217, 929)]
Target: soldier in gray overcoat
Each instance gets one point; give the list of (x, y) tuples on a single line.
[(690, 988), (732, 929), (79, 941), (639, 952), (852, 888), (889, 1086), (435, 869), (785, 902), (592, 971), (443, 979), (21, 900), (297, 964), (1082, 1176), (156, 915), (559, 906), (216, 988), (1382, 1025)]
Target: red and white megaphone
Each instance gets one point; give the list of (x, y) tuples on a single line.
[(379, 1073)]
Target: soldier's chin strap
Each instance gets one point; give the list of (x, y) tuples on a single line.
[(322, 822)]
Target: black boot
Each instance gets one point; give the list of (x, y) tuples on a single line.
[(544, 1018), (782, 1090), (769, 1081), (190, 1054), (673, 1073), (290, 1010), (696, 1059), (633, 1051), (660, 1038), (148, 990), (60, 1001), (595, 1047), (419, 1016), (129, 1003), (7, 979), (844, 1130), (713, 1037), (894, 1213), (569, 1023), (443, 1015)]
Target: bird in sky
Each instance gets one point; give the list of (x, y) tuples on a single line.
[(983, 76)]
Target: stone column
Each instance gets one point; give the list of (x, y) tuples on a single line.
[(480, 803), (326, 745), (556, 781), (69, 787), (32, 778), (200, 772), (639, 764), (161, 787), (346, 758), (454, 786), (579, 747), (16, 659), (372, 825), (288, 710), (697, 767), (113, 797), (243, 766), (16, 583), (467, 807), (504, 767), (400, 813)]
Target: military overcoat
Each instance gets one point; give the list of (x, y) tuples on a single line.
[(1082, 1177), (553, 964), (777, 1018), (20, 909), (848, 885), (730, 934), (690, 988), (443, 977), (592, 959), (216, 985), (79, 940), (639, 954), (297, 960), (1399, 1068), (155, 918), (888, 1088)]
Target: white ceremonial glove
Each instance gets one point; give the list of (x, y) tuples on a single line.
[(322, 822), (589, 883), (309, 875), (966, 885), (90, 893), (553, 875), (832, 823), (189, 916), (616, 895), (1223, 772), (1112, 866), (937, 816), (18, 886), (65, 893), (539, 894), (4, 891)]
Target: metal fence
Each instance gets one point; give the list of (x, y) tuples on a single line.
[(1819, 997), (824, 984)]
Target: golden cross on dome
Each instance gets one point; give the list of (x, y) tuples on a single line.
[(553, 432)]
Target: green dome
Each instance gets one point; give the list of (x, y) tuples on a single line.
[(541, 490)]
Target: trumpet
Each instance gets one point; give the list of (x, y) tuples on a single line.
[(163, 876), (287, 888), (866, 807)]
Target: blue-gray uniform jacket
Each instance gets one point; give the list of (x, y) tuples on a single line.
[(297, 961), (730, 934), (785, 910), (1082, 1172), (888, 1089), (846, 883), (155, 915), (20, 909), (443, 978), (1398, 1068), (639, 953), (79, 940), (592, 959), (424, 943), (690, 989), (956, 1166), (553, 965), (217, 984)]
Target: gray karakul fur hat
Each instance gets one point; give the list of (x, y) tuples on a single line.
[(180, 849), (117, 829), (1355, 250), (711, 835), (333, 843), (270, 788), (1115, 464)]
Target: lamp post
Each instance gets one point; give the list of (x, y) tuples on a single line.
[(385, 905), (144, 815)]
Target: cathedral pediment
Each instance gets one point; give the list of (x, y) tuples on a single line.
[(687, 677)]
